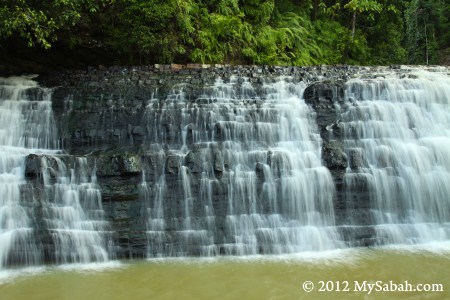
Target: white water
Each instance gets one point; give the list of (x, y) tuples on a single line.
[(74, 213), (27, 127), (257, 184), (21, 130), (265, 156), (400, 128)]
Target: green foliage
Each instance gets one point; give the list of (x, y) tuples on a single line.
[(384, 35), (363, 6), (283, 32), (258, 12), (146, 27), (228, 7), (39, 21), (32, 25), (427, 25), (333, 39), (287, 42), (220, 39)]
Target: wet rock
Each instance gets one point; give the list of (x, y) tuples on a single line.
[(32, 165), (355, 159), (194, 161), (138, 130), (259, 170), (172, 164), (333, 155), (130, 164), (36, 164), (324, 97), (107, 165), (118, 164), (218, 162)]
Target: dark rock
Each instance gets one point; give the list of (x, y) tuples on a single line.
[(130, 164), (172, 164), (107, 165), (218, 162), (259, 169), (324, 93), (194, 161), (333, 154), (138, 130), (323, 98), (32, 165), (355, 159)]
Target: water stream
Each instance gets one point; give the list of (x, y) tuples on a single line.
[(397, 135), (262, 149), (69, 209)]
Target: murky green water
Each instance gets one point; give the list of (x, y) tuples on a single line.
[(243, 278)]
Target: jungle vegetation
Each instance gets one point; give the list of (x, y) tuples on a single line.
[(276, 32)]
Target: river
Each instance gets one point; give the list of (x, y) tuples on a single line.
[(343, 274)]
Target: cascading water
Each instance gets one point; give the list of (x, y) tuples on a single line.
[(254, 156), (21, 129), (73, 212), (228, 168), (71, 201), (397, 134)]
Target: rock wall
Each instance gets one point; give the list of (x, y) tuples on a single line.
[(101, 114)]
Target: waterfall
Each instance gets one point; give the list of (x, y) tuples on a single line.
[(27, 128), (223, 162), (250, 166), (25, 125), (397, 136), (73, 212)]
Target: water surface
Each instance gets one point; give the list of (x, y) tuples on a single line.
[(255, 277)]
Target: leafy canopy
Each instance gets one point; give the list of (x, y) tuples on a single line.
[(282, 32)]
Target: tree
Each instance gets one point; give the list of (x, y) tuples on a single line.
[(284, 32), (38, 22), (384, 33), (427, 31), (360, 6)]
